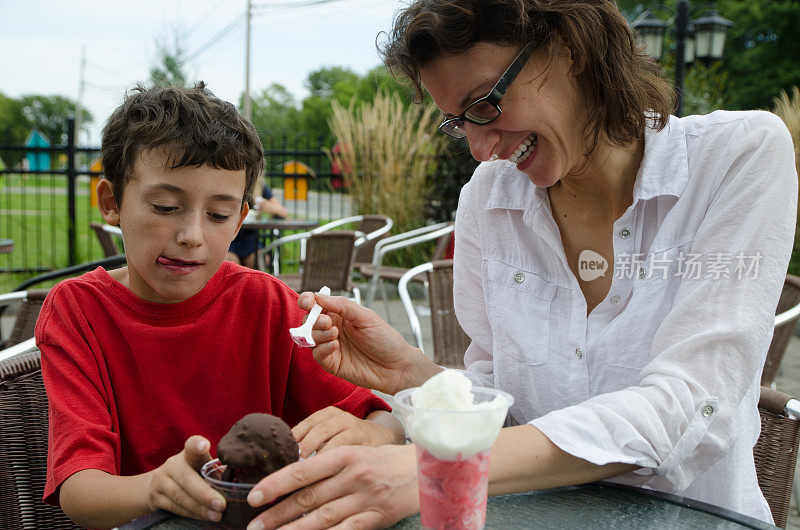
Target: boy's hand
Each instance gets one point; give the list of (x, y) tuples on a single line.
[(176, 486), (332, 427)]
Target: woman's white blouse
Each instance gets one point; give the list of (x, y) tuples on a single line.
[(664, 373)]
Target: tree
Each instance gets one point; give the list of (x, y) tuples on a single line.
[(274, 113), (170, 66), (761, 52), (14, 127), (49, 115)]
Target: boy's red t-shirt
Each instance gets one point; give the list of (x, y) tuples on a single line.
[(129, 380)]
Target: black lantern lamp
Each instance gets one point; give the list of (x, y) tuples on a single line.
[(710, 30), (702, 38), (651, 30)]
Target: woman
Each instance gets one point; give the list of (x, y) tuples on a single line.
[(617, 269)]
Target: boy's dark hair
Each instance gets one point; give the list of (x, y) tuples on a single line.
[(192, 124), (618, 80)]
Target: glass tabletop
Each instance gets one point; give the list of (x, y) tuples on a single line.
[(599, 505)]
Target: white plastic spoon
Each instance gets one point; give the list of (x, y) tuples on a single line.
[(301, 335)]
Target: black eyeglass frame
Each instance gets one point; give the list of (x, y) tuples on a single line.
[(456, 123)]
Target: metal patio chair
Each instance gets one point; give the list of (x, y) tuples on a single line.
[(106, 235), (449, 340), (372, 227), (787, 313), (328, 261), (377, 272), (23, 447), (775, 452)]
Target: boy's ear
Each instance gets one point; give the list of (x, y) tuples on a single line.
[(106, 202), (242, 215)]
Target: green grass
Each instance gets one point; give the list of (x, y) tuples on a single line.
[(33, 213)]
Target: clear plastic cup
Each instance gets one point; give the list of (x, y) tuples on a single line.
[(237, 512), (453, 457)]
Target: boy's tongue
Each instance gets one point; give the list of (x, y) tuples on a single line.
[(175, 262)]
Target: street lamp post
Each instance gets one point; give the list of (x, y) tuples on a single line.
[(702, 38)]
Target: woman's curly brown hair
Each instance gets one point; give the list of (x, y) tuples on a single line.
[(622, 86)]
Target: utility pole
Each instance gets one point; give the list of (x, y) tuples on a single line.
[(79, 104), (247, 109)]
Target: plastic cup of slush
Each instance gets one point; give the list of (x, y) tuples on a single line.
[(453, 457)]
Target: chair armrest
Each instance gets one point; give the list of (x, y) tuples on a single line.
[(18, 349), (286, 239), (382, 250), (406, 235), (338, 222), (402, 288), (787, 316), (113, 230), (382, 230), (792, 409), (10, 298)]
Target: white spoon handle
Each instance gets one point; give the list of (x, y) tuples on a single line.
[(313, 315)]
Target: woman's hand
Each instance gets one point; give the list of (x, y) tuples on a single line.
[(358, 487), (176, 486), (355, 344)]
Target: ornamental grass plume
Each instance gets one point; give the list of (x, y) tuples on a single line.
[(388, 152), (788, 109)]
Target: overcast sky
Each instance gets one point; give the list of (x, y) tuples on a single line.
[(40, 44)]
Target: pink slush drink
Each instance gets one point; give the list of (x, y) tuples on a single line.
[(454, 427), (452, 493)]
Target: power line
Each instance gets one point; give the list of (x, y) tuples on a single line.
[(202, 18), (287, 5), (233, 24)]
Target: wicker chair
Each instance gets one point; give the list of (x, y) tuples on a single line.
[(449, 340), (788, 311), (23, 447), (328, 261), (377, 272), (775, 452), (106, 239), (29, 302)]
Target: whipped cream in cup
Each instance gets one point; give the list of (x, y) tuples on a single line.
[(454, 426)]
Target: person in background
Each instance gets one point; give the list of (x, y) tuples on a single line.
[(243, 247), (617, 269)]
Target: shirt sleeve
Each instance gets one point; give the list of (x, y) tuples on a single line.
[(709, 350), (81, 435)]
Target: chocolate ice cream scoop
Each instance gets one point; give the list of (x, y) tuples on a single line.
[(256, 446)]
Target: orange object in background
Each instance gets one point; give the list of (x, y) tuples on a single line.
[(97, 166), (296, 188)]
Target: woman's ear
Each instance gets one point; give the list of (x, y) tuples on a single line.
[(106, 202)]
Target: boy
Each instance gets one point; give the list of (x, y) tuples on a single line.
[(140, 361)]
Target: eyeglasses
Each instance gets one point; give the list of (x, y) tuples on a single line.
[(487, 109)]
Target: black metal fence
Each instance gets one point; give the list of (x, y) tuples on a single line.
[(46, 211)]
